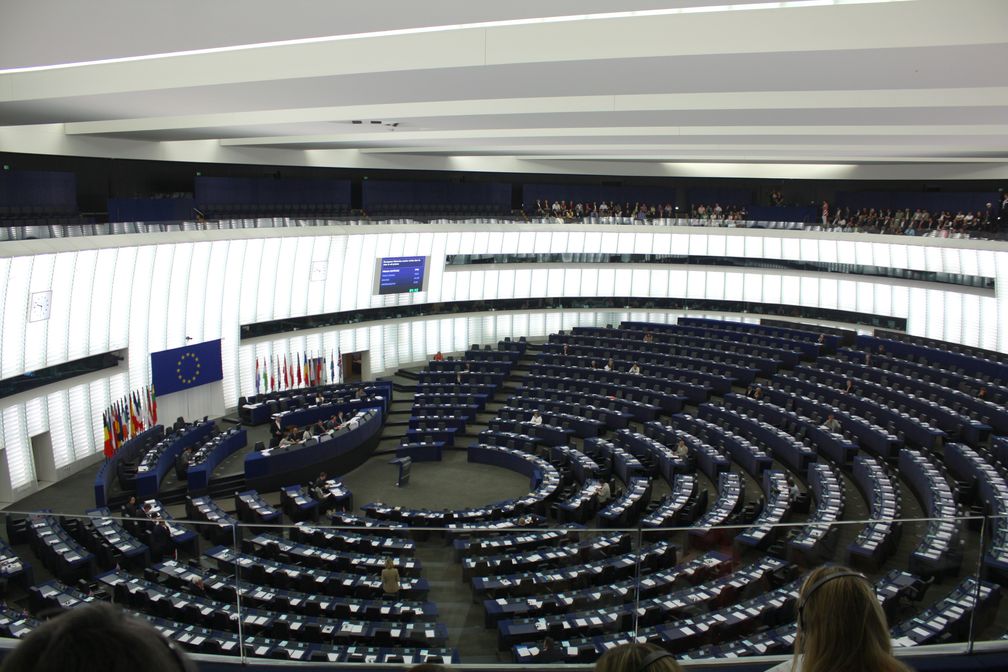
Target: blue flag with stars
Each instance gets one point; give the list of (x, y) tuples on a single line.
[(181, 368)]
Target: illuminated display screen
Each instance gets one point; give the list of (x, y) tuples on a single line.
[(401, 275)]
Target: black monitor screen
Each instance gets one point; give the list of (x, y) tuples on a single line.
[(399, 275)]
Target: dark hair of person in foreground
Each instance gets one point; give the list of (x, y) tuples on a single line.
[(98, 637), (637, 658)]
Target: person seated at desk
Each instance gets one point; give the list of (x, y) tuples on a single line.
[(614, 489), (634, 369), (603, 494), (318, 428), (757, 393), (319, 483), (287, 440), (305, 435), (320, 491), (549, 652), (390, 580), (566, 349), (335, 421), (637, 658), (648, 337), (849, 387), (982, 393), (841, 626), (438, 357), (593, 364), (832, 424), (536, 419), (96, 637), (131, 509), (319, 399), (360, 393), (682, 450), (610, 365), (197, 586)]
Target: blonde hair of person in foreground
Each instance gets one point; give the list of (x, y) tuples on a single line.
[(841, 626), (637, 658)]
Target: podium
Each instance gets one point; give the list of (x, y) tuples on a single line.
[(404, 464)]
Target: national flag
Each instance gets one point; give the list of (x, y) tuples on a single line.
[(123, 421), (286, 383), (318, 369), (109, 451), (112, 428), (306, 376), (134, 416), (257, 376), (272, 380), (339, 364), (290, 369), (128, 417), (265, 383), (332, 370), (143, 408), (153, 401), (116, 427), (299, 369)]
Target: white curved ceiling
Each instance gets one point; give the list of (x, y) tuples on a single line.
[(813, 88)]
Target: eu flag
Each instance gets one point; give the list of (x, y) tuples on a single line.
[(181, 368)]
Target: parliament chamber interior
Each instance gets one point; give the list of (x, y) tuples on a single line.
[(476, 335)]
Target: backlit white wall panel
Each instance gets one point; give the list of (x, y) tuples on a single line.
[(152, 292)]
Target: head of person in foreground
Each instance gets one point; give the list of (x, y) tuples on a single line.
[(637, 658), (98, 637), (841, 625)]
